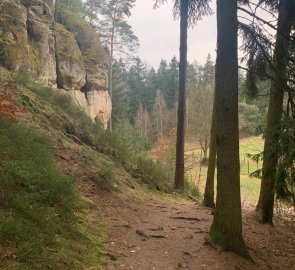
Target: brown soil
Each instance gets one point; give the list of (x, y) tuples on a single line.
[(151, 233), (148, 231)]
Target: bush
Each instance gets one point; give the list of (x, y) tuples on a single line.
[(124, 145), (251, 119), (107, 178), (154, 174)]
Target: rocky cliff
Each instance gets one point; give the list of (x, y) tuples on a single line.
[(65, 53)]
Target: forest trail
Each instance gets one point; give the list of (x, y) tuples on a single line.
[(149, 233)]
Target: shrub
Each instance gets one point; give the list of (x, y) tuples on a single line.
[(154, 174), (124, 145), (107, 179)]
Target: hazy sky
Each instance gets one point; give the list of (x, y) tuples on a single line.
[(158, 34)]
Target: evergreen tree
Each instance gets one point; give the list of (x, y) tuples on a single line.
[(226, 229), (136, 83), (92, 11), (275, 109), (116, 33), (209, 188), (121, 100), (150, 89), (172, 84), (71, 5), (179, 164)]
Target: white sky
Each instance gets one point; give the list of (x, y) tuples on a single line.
[(158, 34)]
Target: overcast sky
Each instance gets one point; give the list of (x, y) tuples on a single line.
[(158, 34)]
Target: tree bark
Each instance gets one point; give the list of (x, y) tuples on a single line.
[(161, 118), (179, 167), (275, 110), (226, 229), (209, 189), (111, 70)]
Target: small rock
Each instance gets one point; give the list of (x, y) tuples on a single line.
[(182, 265), (186, 253), (189, 236), (141, 233), (157, 236)]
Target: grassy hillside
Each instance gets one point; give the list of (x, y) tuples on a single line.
[(43, 219), (52, 159)]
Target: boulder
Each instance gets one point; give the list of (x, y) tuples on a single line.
[(99, 106), (71, 74), (95, 58)]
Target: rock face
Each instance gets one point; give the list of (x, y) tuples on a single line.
[(68, 55), (71, 74), (99, 104), (15, 53), (40, 29)]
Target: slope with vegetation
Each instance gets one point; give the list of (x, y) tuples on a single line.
[(47, 157)]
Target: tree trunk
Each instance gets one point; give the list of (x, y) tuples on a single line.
[(91, 14), (226, 229), (179, 167), (55, 10), (275, 110), (111, 67), (161, 118), (206, 150), (209, 190)]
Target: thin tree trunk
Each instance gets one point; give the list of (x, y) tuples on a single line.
[(145, 122), (275, 110), (206, 150), (111, 68), (179, 167), (161, 118), (111, 83), (209, 189), (187, 118), (55, 10), (91, 14), (226, 229)]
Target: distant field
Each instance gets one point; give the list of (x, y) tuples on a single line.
[(249, 186)]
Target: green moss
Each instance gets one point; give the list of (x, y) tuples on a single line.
[(66, 47), (216, 237), (88, 41), (15, 52), (5, 75), (43, 221)]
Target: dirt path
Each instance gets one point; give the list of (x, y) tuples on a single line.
[(145, 232), (168, 235)]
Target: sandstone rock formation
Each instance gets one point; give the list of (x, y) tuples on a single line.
[(40, 29), (99, 104), (14, 50), (68, 55), (71, 74)]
